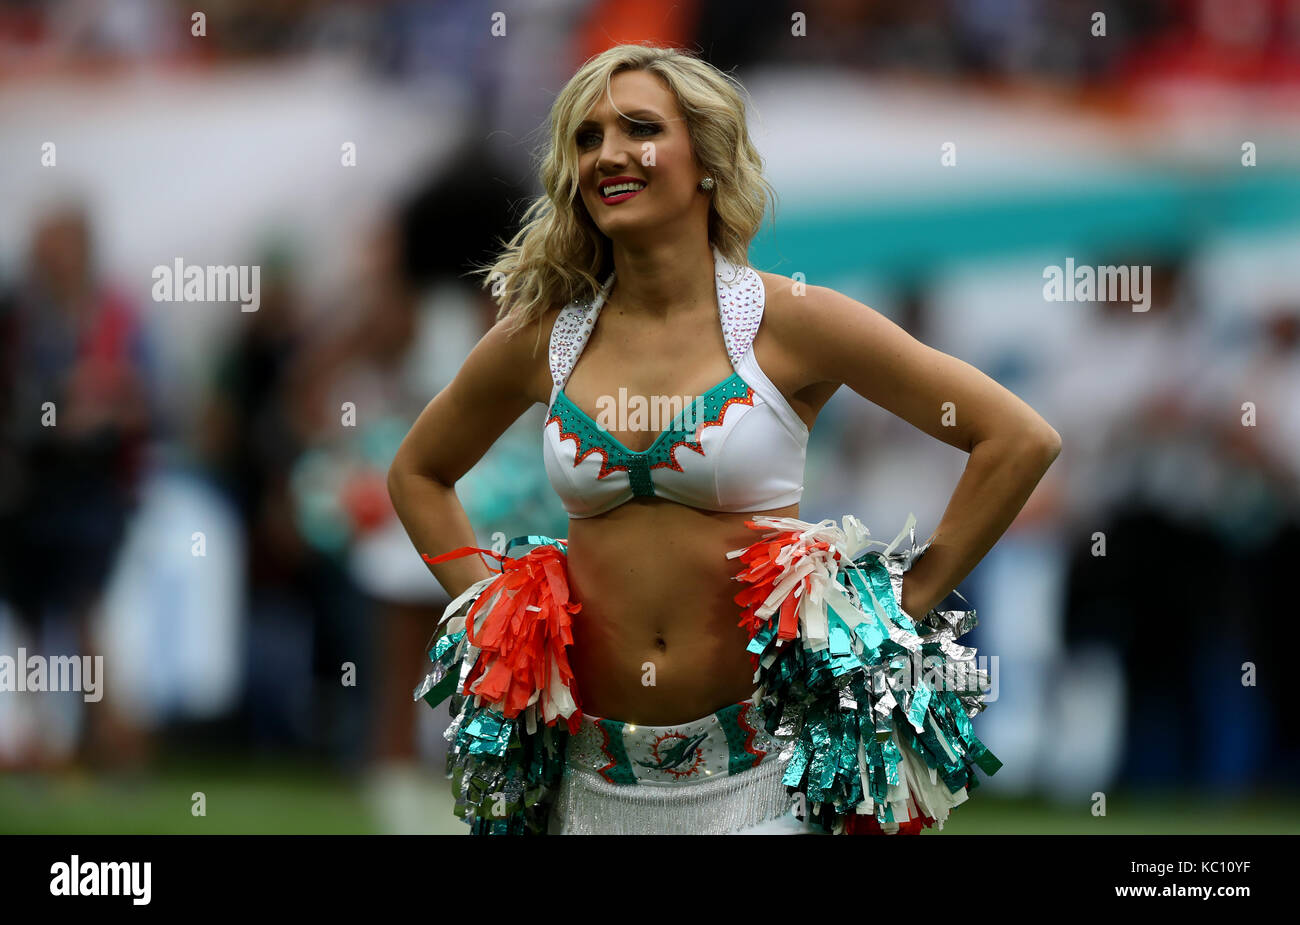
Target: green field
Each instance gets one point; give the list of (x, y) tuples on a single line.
[(281, 797)]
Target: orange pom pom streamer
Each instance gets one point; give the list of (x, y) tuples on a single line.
[(762, 572), (523, 638)]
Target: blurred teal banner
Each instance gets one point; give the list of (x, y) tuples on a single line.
[(1158, 211)]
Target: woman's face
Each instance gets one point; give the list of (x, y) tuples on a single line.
[(654, 154)]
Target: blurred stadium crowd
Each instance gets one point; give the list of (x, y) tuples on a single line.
[(1124, 668), (1248, 42)]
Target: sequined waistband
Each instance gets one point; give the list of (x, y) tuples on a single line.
[(729, 741)]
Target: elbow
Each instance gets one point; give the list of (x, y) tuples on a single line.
[(397, 475), (1044, 444), (402, 475), (1040, 443), (393, 480)]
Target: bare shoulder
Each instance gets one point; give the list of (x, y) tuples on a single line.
[(816, 323), (520, 355), (801, 322), (795, 304), (779, 309), (831, 338)]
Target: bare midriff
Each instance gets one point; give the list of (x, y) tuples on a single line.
[(658, 639)]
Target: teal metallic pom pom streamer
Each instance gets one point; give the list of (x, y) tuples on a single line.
[(846, 708), (504, 776)]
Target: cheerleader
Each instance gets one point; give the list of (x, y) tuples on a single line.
[(693, 657)]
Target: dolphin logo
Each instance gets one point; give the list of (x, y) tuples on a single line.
[(680, 752)]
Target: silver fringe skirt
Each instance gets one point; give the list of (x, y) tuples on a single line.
[(720, 774)]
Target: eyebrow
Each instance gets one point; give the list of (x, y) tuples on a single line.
[(636, 113)]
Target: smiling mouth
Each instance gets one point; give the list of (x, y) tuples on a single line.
[(621, 192)]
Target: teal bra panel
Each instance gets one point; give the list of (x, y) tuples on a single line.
[(592, 438)]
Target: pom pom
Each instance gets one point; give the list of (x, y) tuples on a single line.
[(519, 627), (837, 661), (501, 658)]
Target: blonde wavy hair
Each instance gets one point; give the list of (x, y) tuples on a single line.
[(559, 254)]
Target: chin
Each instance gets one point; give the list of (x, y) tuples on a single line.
[(613, 230)]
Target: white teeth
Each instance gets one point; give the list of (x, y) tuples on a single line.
[(621, 188)]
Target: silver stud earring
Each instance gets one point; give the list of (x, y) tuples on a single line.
[(707, 184)]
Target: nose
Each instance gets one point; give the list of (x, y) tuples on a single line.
[(613, 155)]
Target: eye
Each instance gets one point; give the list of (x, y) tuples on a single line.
[(637, 129)]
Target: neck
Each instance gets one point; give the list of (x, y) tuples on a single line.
[(662, 279)]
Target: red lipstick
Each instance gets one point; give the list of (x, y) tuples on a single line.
[(622, 195)]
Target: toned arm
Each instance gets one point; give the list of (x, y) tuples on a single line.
[(834, 338), (495, 385)]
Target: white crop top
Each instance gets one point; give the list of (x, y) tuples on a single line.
[(738, 447)]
